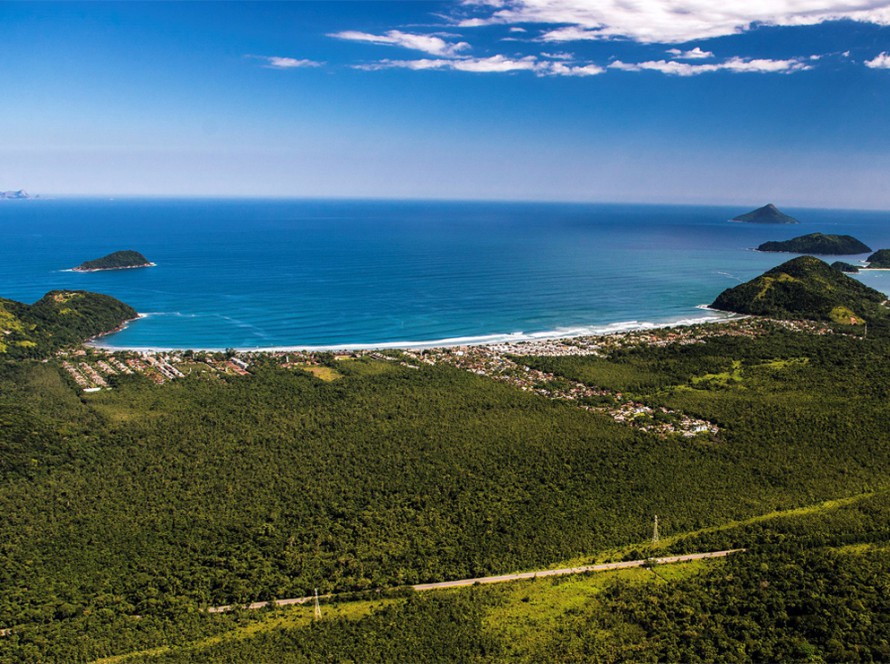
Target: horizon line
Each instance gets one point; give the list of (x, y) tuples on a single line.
[(422, 199)]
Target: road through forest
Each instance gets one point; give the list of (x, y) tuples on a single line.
[(583, 569)]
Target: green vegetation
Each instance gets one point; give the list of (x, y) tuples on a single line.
[(57, 319), (841, 266), (768, 214), (880, 259), (805, 287), (115, 261), (818, 243), (129, 511), (813, 587)]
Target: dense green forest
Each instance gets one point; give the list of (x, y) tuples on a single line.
[(796, 595), (58, 319), (129, 511)]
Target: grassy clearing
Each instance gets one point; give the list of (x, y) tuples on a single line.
[(326, 374), (734, 375), (530, 611)]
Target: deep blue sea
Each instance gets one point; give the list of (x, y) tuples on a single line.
[(304, 273)]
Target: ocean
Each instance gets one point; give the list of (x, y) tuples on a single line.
[(334, 273)]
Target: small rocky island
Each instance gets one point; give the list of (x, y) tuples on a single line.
[(841, 266), (880, 260), (118, 260), (768, 214), (805, 287), (818, 243)]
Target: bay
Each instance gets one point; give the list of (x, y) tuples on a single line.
[(338, 273)]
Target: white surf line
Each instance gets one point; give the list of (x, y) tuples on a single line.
[(420, 587)]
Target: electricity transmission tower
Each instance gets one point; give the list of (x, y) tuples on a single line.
[(317, 606), (655, 531)]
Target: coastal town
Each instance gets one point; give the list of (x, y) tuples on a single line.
[(93, 368)]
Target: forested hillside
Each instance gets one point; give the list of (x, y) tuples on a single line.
[(57, 319), (806, 287)]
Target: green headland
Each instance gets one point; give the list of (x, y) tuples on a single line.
[(807, 288), (57, 319)]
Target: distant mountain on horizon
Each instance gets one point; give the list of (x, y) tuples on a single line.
[(17, 195), (768, 214)]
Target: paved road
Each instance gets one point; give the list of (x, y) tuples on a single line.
[(584, 569)]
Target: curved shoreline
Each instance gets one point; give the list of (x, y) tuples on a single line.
[(480, 340)]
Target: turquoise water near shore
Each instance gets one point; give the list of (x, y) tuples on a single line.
[(320, 273)]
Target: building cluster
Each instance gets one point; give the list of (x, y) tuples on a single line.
[(495, 363), (91, 368)]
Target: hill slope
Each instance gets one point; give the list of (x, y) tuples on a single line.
[(818, 243), (768, 214), (57, 319), (880, 259), (805, 287)]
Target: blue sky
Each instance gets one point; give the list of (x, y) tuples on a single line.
[(688, 101)]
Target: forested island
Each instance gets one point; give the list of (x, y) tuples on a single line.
[(768, 214), (818, 243), (807, 288), (118, 260), (879, 260)]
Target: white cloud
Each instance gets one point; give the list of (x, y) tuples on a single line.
[(517, 29), (561, 69), (496, 63), (427, 43), (764, 65), (737, 65), (277, 62), (671, 21), (694, 54), (881, 61), (558, 56), (493, 64)]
